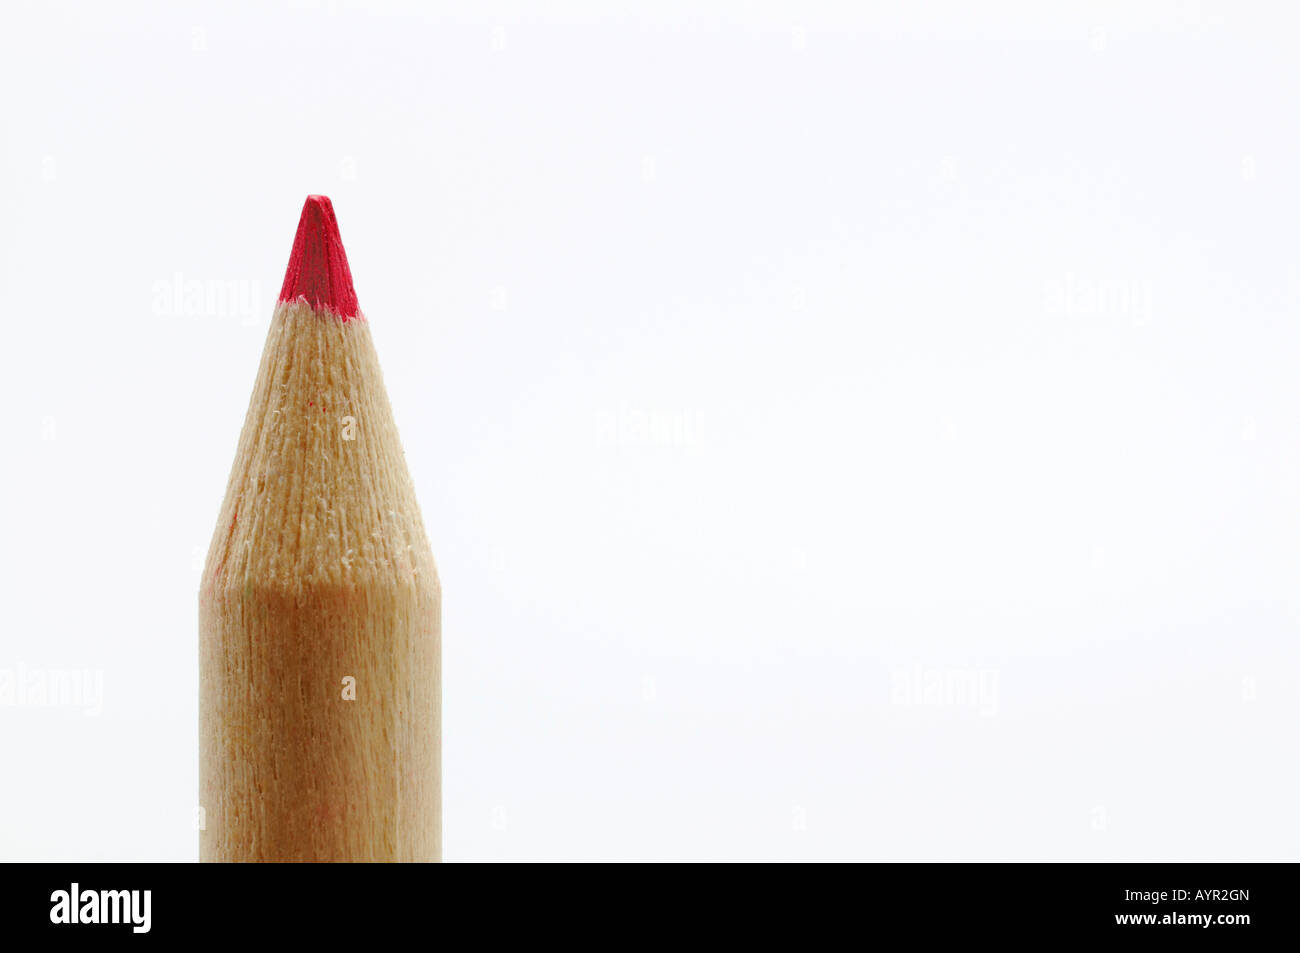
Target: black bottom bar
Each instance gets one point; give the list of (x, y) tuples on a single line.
[(928, 903)]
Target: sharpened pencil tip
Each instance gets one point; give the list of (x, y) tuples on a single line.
[(318, 266)]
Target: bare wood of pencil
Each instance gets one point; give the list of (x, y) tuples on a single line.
[(319, 612)]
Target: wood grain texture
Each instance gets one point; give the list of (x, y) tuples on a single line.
[(319, 570)]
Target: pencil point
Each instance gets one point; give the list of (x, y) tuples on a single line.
[(318, 266)]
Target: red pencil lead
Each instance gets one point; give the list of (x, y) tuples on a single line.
[(318, 266)]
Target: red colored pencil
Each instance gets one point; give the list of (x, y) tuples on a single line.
[(319, 613)]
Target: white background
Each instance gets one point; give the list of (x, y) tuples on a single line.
[(844, 431)]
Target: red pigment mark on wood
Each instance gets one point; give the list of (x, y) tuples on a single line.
[(216, 573), (318, 266)]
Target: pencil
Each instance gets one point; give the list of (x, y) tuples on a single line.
[(319, 609)]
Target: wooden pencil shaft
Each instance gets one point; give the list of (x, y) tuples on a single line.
[(320, 697)]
